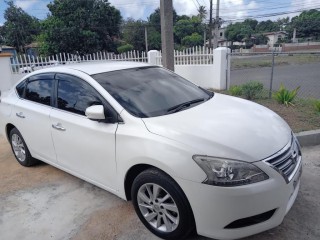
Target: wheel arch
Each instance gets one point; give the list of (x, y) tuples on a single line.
[(9, 127), (132, 173)]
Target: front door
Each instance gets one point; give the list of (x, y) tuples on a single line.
[(83, 146)]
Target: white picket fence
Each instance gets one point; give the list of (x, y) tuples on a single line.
[(202, 66), (192, 56), (25, 63)]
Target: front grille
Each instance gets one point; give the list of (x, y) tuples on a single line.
[(287, 160)]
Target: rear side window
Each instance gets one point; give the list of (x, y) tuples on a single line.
[(76, 97), (39, 91)]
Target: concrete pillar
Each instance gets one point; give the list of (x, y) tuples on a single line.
[(166, 15), (5, 71), (153, 57), (221, 66)]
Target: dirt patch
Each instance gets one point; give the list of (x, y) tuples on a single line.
[(300, 117), (109, 224)]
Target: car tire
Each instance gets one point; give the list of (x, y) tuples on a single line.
[(161, 205), (20, 149)]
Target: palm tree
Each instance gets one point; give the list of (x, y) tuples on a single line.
[(202, 13)]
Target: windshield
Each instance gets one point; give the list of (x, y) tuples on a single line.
[(151, 91)]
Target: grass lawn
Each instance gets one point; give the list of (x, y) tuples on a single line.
[(300, 117), (255, 61)]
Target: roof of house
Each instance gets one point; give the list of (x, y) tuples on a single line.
[(7, 47), (275, 33), (32, 45)]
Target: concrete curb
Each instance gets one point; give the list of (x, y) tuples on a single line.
[(309, 138)]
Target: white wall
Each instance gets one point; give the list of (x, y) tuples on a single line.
[(5, 72), (16, 77), (213, 76), (201, 75)]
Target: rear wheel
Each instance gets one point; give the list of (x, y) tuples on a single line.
[(161, 205), (20, 149)]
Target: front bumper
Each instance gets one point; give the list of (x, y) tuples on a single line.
[(215, 208)]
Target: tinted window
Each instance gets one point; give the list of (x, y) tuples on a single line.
[(150, 91), (74, 96), (39, 91), (20, 88)]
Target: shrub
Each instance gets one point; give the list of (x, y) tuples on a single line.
[(235, 90), (317, 105), (252, 89), (125, 48), (285, 96)]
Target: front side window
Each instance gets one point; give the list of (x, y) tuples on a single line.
[(39, 91), (75, 97), (151, 91)]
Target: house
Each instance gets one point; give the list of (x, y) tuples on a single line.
[(222, 40), (8, 49), (273, 37), (32, 49)]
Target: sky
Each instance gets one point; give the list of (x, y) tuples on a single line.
[(230, 10)]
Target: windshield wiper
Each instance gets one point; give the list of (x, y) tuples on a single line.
[(180, 106)]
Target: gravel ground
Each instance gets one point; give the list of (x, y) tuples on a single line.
[(43, 202)]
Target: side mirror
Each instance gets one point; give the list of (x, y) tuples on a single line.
[(95, 112)]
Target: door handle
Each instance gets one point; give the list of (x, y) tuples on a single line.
[(20, 115), (58, 126)]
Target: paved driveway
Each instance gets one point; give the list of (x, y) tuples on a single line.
[(43, 202)]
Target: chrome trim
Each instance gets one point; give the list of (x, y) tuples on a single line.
[(291, 147)]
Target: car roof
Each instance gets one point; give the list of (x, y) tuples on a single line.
[(92, 68)]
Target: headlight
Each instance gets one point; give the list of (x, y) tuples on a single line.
[(228, 173)]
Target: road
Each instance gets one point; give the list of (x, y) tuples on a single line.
[(305, 75), (45, 203)]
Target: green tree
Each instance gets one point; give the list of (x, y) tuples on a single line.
[(238, 32), (20, 28), (202, 13), (155, 20), (125, 48), (267, 26), (252, 23), (187, 27), (154, 39), (307, 24), (134, 33), (82, 26), (193, 40)]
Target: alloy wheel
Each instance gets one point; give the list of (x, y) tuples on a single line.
[(158, 207)]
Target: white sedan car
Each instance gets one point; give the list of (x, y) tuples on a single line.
[(189, 159)]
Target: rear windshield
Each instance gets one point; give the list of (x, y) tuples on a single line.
[(151, 91)]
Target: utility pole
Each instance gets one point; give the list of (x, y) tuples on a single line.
[(216, 26), (166, 14), (146, 37), (210, 25)]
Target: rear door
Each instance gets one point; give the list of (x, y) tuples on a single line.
[(31, 115), (83, 146)]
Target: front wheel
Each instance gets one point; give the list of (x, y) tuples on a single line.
[(161, 205)]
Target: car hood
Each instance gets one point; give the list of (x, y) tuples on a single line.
[(225, 127)]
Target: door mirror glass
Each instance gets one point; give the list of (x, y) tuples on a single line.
[(95, 112)]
